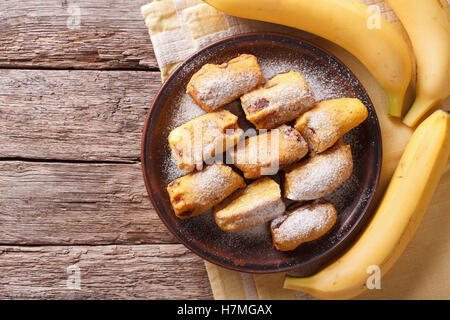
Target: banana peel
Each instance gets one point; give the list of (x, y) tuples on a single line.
[(428, 26)]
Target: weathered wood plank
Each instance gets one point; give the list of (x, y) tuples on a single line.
[(73, 114), (65, 203), (106, 272), (105, 34)]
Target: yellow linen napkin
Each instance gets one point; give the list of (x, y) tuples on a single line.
[(178, 28)]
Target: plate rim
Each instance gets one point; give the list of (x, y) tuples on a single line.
[(344, 243)]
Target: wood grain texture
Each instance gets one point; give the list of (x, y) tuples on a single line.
[(65, 203), (106, 272), (45, 34), (74, 115)]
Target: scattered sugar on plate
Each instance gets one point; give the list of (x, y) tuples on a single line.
[(326, 84), (319, 77), (186, 109)]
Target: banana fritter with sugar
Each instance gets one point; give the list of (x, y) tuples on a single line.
[(319, 174), (199, 191), (329, 120), (281, 99), (214, 86), (266, 153), (305, 223), (203, 137), (258, 203)]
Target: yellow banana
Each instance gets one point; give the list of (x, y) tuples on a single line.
[(379, 46), (396, 218), (427, 24)]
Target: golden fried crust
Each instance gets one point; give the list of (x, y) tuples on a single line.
[(319, 174), (258, 203), (281, 99), (306, 223), (204, 137), (266, 153), (199, 191), (329, 120), (214, 86)]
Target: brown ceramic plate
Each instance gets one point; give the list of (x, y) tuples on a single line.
[(251, 250)]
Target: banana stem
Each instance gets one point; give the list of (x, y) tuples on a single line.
[(395, 103), (420, 106)]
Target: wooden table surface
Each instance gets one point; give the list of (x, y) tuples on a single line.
[(74, 93)]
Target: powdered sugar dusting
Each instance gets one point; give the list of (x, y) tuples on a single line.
[(320, 121), (327, 82), (319, 174), (258, 213), (216, 92), (216, 85), (169, 168), (320, 130), (186, 110), (211, 181), (282, 99), (320, 78), (303, 224)]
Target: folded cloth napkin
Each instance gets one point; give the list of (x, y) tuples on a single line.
[(178, 28)]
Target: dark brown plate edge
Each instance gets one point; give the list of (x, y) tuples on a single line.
[(339, 247)]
